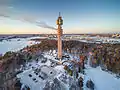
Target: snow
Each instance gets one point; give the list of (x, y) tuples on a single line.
[(59, 68), (100, 40), (37, 64), (16, 44), (45, 67), (12, 45), (102, 80), (24, 77)]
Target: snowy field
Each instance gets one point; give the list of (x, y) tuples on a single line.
[(102, 80), (15, 44)]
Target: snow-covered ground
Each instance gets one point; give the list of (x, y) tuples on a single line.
[(15, 44), (28, 81), (25, 79), (102, 80)]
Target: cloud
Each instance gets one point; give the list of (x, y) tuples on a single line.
[(8, 11), (28, 19), (4, 15), (45, 25), (5, 8)]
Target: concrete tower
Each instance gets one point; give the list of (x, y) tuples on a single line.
[(59, 35)]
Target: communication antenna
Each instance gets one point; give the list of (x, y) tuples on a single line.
[(59, 14)]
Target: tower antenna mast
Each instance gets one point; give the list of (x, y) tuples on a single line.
[(59, 14)]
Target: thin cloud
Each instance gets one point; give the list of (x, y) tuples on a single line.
[(8, 11), (28, 20), (5, 8), (45, 25)]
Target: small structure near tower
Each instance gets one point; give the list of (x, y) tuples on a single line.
[(59, 35)]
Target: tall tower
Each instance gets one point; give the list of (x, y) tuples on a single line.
[(59, 35)]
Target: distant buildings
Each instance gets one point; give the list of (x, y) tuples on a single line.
[(116, 35)]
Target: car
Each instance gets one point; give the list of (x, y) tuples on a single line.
[(44, 60), (56, 58), (30, 75), (36, 73), (34, 79), (41, 77)]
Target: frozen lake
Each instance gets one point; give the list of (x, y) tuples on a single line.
[(15, 44)]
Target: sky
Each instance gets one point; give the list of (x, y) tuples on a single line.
[(79, 16)]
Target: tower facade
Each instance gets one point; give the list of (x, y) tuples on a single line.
[(59, 36)]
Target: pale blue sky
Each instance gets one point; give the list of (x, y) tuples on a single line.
[(80, 16)]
